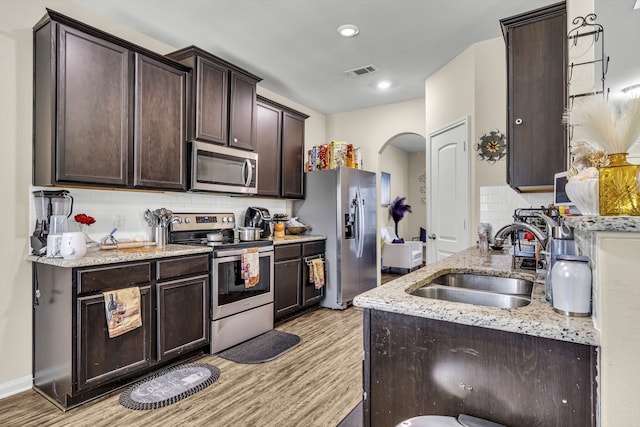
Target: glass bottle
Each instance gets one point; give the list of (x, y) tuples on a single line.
[(112, 304), (618, 186)]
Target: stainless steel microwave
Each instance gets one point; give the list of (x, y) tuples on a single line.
[(223, 169)]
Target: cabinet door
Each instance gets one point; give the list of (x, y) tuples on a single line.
[(415, 365), (537, 66), (160, 133), (310, 295), (99, 358), (93, 106), (287, 287), (183, 316), (242, 112), (268, 149), (211, 90), (292, 155)]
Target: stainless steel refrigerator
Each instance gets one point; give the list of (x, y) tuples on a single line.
[(341, 204)]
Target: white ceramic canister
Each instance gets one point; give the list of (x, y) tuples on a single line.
[(571, 278), (73, 245)]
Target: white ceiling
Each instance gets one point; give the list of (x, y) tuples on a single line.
[(294, 46)]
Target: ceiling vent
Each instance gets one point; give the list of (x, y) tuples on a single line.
[(361, 71)]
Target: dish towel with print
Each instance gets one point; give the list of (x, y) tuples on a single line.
[(250, 267), (122, 308), (318, 272)]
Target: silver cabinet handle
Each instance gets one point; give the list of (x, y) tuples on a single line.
[(518, 121)]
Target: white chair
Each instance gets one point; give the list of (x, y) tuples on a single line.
[(406, 255)]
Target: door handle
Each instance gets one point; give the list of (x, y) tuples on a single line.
[(432, 236), (518, 121)]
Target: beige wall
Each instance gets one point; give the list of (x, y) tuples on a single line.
[(473, 84), (396, 163), (417, 191)]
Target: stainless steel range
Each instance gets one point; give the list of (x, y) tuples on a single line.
[(238, 312)]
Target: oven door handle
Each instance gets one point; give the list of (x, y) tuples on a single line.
[(237, 253)]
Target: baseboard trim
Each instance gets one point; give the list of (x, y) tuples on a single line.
[(16, 386)]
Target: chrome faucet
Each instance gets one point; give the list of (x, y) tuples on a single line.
[(540, 235), (519, 225)]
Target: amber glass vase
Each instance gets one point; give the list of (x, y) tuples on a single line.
[(619, 190)]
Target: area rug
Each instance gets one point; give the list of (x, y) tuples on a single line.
[(169, 386), (262, 348)]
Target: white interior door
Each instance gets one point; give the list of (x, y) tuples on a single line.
[(448, 202)]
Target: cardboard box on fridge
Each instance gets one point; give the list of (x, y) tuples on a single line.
[(338, 154), (322, 157)]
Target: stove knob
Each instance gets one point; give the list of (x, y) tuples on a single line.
[(187, 220), (230, 219)]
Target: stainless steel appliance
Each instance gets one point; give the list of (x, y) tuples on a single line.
[(341, 204), (223, 169), (238, 313), (52, 210), (259, 217)]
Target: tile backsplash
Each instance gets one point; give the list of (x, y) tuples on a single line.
[(498, 203), (106, 205)]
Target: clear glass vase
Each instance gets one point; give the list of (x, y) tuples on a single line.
[(618, 187)]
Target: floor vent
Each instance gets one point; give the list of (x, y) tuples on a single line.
[(361, 71)]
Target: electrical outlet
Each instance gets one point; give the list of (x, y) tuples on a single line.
[(118, 222)]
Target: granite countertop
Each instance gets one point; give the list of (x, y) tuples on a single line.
[(536, 319), (604, 223), (296, 238), (113, 256)]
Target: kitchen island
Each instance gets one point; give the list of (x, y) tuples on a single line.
[(519, 366)]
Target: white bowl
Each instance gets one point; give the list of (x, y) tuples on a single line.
[(585, 195)]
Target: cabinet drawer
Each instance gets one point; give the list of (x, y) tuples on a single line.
[(187, 266), (100, 279), (313, 248), (287, 251)]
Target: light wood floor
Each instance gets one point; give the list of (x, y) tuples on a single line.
[(315, 384)]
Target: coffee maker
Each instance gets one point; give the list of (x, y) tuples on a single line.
[(258, 217), (53, 208)]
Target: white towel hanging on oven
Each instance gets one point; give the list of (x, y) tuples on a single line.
[(250, 267)]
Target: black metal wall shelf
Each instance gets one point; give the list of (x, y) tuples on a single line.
[(586, 27)]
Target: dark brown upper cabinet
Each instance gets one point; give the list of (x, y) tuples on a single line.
[(107, 113), (280, 147), (222, 109), (536, 45)]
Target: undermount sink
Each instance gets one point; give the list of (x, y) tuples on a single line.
[(492, 291)]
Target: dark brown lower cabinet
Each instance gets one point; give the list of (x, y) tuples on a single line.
[(183, 313), (100, 358), (74, 360), (294, 291), (415, 366)]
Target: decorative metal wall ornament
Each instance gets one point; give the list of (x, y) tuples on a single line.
[(492, 146), (423, 188)]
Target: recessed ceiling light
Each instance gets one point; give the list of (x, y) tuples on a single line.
[(384, 84), (348, 30)]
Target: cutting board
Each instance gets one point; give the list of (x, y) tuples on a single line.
[(129, 245)]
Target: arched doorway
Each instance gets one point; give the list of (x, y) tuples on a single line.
[(403, 157)]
